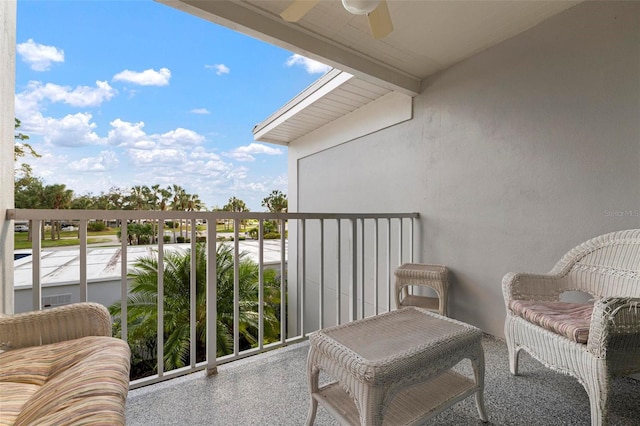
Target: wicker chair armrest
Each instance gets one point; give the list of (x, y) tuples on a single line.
[(524, 286), (615, 326), (54, 325)]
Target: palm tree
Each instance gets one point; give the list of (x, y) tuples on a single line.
[(178, 202), (57, 196), (235, 205), (194, 203), (137, 199), (142, 305), (165, 195)]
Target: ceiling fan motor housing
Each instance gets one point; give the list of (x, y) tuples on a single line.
[(360, 7)]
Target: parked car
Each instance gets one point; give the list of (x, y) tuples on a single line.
[(68, 228), (21, 228)]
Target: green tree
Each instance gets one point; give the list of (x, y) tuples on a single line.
[(235, 205), (194, 203), (143, 296), (56, 196), (21, 147), (178, 203), (83, 202), (141, 233), (28, 188), (137, 199), (276, 202), (29, 192)]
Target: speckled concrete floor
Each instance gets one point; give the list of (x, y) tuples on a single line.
[(271, 389)]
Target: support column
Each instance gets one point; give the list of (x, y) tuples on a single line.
[(7, 115)]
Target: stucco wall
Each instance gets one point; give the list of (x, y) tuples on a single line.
[(512, 157)]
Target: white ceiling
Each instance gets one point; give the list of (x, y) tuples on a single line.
[(428, 35)]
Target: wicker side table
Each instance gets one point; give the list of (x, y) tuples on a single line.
[(394, 368), (435, 277)]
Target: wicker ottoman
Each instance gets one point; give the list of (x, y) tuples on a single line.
[(394, 368), (425, 275)]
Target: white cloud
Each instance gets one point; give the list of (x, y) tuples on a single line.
[(220, 69), (247, 152), (174, 157), (29, 101), (199, 152), (132, 135), (249, 186), (71, 130), (39, 56), (180, 137), (148, 77), (202, 111), (281, 181), (127, 134), (107, 160), (312, 67)]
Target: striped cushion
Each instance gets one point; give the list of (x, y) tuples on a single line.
[(13, 396), (78, 381), (567, 319)]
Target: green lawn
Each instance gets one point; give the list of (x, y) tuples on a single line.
[(69, 238)]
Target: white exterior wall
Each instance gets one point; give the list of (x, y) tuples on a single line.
[(512, 157), (106, 292), (7, 90)]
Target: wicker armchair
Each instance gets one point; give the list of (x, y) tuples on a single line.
[(607, 342)]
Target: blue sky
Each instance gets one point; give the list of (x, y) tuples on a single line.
[(123, 93)]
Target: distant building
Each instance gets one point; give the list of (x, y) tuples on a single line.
[(60, 269)]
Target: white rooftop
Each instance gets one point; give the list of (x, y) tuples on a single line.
[(62, 266)]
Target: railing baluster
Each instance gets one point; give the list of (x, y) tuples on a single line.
[(400, 241), (303, 272), (388, 265), (36, 252), (261, 286), (362, 255), (124, 290), (160, 336), (411, 242), (353, 288), (321, 277), (236, 287), (375, 267), (192, 291), (82, 229), (339, 272), (283, 284), (212, 298)]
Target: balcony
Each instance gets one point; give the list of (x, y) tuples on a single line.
[(512, 155), (351, 258)]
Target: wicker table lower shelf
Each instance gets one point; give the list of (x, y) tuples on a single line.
[(411, 406)]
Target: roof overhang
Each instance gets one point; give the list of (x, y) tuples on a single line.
[(334, 95)]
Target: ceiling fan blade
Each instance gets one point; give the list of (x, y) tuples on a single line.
[(380, 21), (297, 10)]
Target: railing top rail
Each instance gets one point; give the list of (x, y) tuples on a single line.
[(77, 214)]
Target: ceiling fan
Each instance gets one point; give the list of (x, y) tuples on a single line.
[(377, 13)]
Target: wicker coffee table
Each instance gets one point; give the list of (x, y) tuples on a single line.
[(394, 368)]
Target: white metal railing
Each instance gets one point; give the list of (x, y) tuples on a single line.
[(340, 269)]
